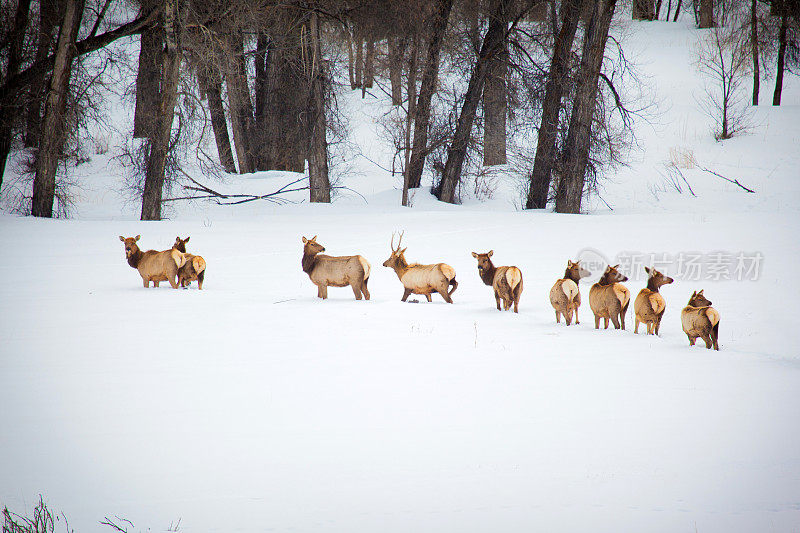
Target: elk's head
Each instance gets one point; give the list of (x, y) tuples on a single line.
[(311, 246), (397, 258), (575, 271), (698, 300), (656, 279), (180, 244), (484, 261), (611, 275), (130, 245)]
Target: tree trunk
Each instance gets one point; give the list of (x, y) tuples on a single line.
[(350, 67), (493, 44), (397, 49), (643, 10), (495, 108), (359, 57), (412, 110), (658, 10), (148, 78), (239, 103), (8, 111), (706, 14), (776, 97), (551, 106), (318, 182), (174, 19), (36, 94), (211, 85), (369, 64), (754, 49), (422, 114), (259, 141), (53, 134), (578, 143), (677, 11)]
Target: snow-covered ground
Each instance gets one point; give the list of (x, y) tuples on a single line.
[(254, 406)]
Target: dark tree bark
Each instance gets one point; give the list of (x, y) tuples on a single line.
[(211, 86), (350, 66), (706, 14), (148, 79), (174, 21), (8, 113), (239, 103), (397, 48), (754, 49), (36, 94), (492, 47), (359, 35), (677, 11), (495, 108), (262, 58), (318, 182), (422, 114), (53, 134), (575, 156), (369, 63), (551, 107), (658, 10), (643, 10), (776, 96)]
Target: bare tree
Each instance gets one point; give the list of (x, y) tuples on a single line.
[(8, 113), (318, 181), (782, 40)]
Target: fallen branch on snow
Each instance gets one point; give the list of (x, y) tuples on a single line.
[(735, 182)]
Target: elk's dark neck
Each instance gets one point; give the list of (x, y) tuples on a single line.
[(135, 257), (180, 247), (308, 262), (570, 274), (487, 275), (604, 281), (400, 267), (652, 285)]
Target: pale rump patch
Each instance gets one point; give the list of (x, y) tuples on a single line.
[(713, 316), (657, 303), (622, 293), (570, 289), (365, 265), (198, 263), (178, 257), (513, 276), (448, 271)]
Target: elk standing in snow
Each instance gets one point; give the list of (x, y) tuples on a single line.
[(505, 280), (326, 270), (609, 298), (649, 305), (193, 269), (565, 296), (699, 319), (152, 265), (421, 279)]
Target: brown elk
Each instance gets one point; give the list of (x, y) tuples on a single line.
[(193, 269), (565, 296), (326, 270), (649, 305), (699, 319), (505, 280), (421, 279), (152, 265), (609, 298)]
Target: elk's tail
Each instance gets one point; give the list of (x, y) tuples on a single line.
[(366, 266), (513, 277), (570, 289), (178, 257)]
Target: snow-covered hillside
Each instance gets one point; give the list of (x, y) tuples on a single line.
[(253, 406)]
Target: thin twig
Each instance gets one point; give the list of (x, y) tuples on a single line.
[(734, 181)]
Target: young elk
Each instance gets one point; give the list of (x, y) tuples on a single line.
[(505, 280), (699, 319), (326, 270), (649, 305), (421, 279), (152, 265), (195, 267), (609, 298), (565, 297)]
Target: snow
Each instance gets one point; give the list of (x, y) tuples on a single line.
[(253, 406)]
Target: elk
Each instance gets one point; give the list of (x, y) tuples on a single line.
[(699, 319), (609, 298), (193, 269), (649, 306), (326, 270), (152, 265), (421, 279), (565, 296), (505, 280)]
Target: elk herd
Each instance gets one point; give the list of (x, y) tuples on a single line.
[(608, 298)]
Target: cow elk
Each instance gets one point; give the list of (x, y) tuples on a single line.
[(330, 271), (193, 269), (609, 298), (505, 280), (565, 296), (649, 306), (699, 319), (421, 279), (152, 265)]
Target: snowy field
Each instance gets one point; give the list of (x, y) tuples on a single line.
[(254, 406)]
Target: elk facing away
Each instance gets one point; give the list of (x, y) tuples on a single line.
[(326, 270), (505, 280), (609, 298), (649, 305), (421, 279), (152, 265), (699, 319), (565, 297), (195, 267)]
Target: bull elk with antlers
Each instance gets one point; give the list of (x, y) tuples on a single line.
[(326, 270), (152, 265), (421, 279)]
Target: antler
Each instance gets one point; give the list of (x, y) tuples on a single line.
[(391, 245)]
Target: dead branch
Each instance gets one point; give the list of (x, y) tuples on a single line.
[(734, 181)]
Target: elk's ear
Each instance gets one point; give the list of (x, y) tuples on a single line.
[(700, 293), (616, 266), (305, 240), (649, 272), (473, 253), (569, 263), (187, 239), (490, 253), (122, 238), (403, 250), (694, 294), (314, 238), (137, 237)]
